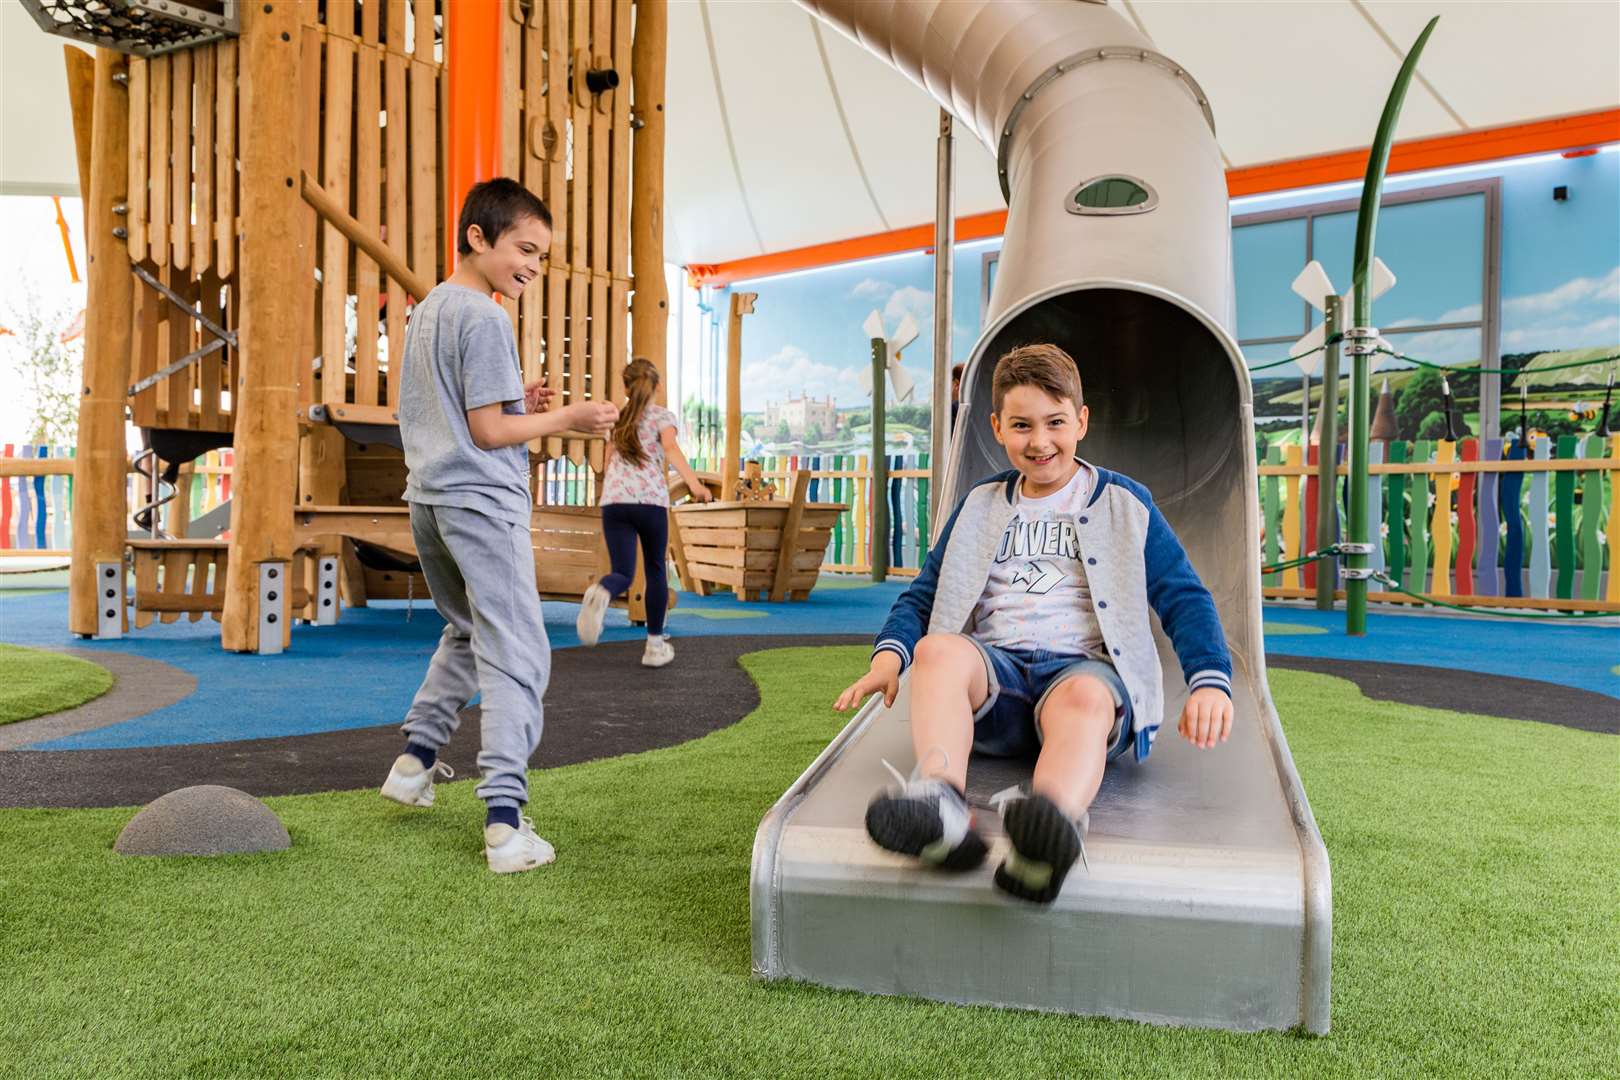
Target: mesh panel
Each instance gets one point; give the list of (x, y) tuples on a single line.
[(138, 27)]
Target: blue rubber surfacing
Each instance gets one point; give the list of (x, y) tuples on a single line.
[(364, 671)]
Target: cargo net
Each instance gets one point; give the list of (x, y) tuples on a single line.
[(138, 27)]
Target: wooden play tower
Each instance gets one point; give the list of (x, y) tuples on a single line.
[(266, 194)]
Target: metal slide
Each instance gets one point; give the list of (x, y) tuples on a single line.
[(1208, 899)]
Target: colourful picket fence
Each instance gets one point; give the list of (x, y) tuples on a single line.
[(1483, 522), (36, 509), (36, 497)]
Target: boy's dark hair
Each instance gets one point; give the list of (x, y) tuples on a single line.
[(495, 206), (1045, 367)]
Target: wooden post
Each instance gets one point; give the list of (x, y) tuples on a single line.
[(81, 80), (266, 473), (879, 532), (649, 308), (787, 551), (741, 304), (100, 507)]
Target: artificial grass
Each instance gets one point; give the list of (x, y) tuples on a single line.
[(1473, 867), (34, 682)]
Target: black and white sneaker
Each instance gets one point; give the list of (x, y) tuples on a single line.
[(1045, 844), (926, 818)]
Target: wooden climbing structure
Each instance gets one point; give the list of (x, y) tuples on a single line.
[(263, 210)]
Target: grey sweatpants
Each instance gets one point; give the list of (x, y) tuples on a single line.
[(481, 573)]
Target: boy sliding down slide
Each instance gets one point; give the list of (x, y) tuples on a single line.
[(1028, 627)]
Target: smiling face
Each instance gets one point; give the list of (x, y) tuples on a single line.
[(514, 259), (1040, 433)]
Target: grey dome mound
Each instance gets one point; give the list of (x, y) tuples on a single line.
[(204, 820)]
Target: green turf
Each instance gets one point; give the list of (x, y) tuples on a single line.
[(34, 682), (1473, 867)]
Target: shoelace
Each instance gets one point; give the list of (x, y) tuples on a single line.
[(443, 771), (917, 770), (1000, 799)]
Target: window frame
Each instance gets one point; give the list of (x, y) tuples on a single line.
[(1489, 322)]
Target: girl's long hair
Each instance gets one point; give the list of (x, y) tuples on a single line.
[(641, 383)]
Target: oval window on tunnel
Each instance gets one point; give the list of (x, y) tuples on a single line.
[(1113, 194)]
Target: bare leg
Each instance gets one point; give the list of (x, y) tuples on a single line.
[(1075, 720), (948, 684)]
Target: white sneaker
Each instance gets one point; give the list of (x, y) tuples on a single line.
[(410, 783), (658, 652), (511, 851), (592, 610)]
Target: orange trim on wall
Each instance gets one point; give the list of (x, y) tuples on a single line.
[(1466, 148), (473, 67)]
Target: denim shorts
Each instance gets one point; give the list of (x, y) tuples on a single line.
[(1006, 726)]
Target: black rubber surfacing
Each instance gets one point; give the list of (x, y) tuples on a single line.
[(601, 703)]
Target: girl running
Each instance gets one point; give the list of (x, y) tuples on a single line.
[(635, 505)]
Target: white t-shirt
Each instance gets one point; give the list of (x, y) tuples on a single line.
[(1037, 596), (646, 484)]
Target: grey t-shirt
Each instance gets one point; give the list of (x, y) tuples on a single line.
[(460, 354)]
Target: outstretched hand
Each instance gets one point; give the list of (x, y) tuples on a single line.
[(883, 678), (1207, 718)]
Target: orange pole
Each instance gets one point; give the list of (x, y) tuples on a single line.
[(473, 60)]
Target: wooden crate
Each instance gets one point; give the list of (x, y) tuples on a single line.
[(741, 545)]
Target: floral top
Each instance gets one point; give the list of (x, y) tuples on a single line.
[(646, 484)]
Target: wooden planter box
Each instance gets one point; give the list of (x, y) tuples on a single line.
[(741, 545)]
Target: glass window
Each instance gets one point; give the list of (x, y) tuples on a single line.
[(1266, 259), (1436, 249), (1113, 195)]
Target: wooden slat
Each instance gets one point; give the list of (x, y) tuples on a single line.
[(556, 196), (368, 209), (139, 162), (204, 82), (158, 75), (144, 352), (578, 338), (180, 158), (788, 560), (1292, 455), (529, 168), (340, 18), (1440, 526), (422, 12), (394, 26), (424, 152), (599, 377), (312, 42), (618, 267), (211, 369), (225, 163), (395, 215), (339, 118), (370, 22)]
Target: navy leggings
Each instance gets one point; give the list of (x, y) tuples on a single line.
[(622, 525)]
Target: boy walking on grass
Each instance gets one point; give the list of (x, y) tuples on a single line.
[(464, 417), (1028, 628)]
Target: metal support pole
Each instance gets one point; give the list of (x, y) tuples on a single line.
[(1326, 455), (944, 252), (1364, 337), (880, 465)]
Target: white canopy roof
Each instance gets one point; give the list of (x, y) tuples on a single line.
[(783, 133)]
